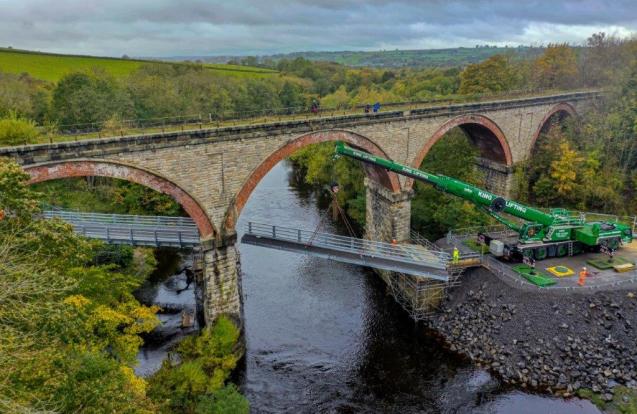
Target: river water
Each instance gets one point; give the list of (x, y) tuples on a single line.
[(326, 337)]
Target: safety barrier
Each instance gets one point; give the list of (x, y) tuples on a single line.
[(130, 229)]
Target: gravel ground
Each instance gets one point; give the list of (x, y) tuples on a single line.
[(544, 341)]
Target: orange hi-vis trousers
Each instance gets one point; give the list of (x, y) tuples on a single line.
[(582, 278)]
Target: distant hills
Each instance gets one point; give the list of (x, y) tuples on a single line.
[(460, 56), (52, 66)]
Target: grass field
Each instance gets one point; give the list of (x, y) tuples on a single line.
[(51, 67)]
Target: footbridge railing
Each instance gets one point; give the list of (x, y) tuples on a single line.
[(406, 258), (135, 230)]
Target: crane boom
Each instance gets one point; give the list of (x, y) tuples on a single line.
[(483, 198), (542, 234)]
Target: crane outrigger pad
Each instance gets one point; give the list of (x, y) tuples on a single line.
[(533, 276)]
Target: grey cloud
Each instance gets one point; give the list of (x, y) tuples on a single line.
[(196, 27)]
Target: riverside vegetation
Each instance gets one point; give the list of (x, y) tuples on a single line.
[(70, 344)]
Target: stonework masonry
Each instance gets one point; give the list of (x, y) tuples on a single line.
[(222, 284), (498, 177), (387, 214), (212, 172)]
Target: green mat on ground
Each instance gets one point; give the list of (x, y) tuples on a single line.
[(601, 262), (537, 278)]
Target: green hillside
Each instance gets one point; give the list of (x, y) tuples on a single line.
[(51, 67), (460, 56)]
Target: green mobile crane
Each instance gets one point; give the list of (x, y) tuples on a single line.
[(539, 235)]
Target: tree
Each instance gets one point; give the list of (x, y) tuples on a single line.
[(320, 169), (564, 169), (17, 131), (556, 67), (455, 157), (250, 61), (291, 97), (338, 99), (260, 97), (154, 92), (198, 383), (82, 98), (15, 95), (603, 57), (67, 343), (493, 75)]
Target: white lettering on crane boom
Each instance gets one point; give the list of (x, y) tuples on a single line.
[(515, 206), (484, 195)]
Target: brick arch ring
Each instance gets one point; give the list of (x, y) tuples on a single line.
[(101, 168), (389, 180), (459, 121), (560, 107)]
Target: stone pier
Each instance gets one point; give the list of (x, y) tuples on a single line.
[(222, 282), (387, 213), (388, 217), (498, 177)]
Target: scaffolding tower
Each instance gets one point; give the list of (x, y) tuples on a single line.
[(420, 296)]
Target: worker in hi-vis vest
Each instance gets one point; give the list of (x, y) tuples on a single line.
[(582, 276)]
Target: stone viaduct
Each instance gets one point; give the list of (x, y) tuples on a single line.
[(212, 173)]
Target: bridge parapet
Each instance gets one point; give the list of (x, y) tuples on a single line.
[(39, 153)]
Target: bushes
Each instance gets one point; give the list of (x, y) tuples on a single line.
[(227, 400), (197, 384), (17, 131), (70, 333)]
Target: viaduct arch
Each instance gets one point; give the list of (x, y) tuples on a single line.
[(86, 167), (556, 114), (483, 132), (386, 179)]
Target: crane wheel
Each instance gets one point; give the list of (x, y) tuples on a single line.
[(540, 253)]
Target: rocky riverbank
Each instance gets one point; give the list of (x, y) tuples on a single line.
[(554, 342)]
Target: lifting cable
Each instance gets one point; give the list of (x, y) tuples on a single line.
[(316, 230), (350, 229), (348, 225)]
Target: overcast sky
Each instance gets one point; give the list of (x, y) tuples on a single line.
[(239, 27)]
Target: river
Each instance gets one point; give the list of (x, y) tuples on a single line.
[(326, 337)]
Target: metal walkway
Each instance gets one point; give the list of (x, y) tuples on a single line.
[(413, 259), (154, 231), (419, 259)]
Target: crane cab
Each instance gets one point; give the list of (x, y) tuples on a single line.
[(531, 232)]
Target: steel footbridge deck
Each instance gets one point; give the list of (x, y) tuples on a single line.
[(419, 259), (413, 259), (156, 231)]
